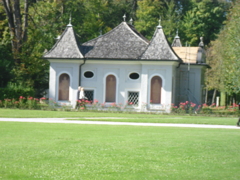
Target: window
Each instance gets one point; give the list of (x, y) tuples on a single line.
[(63, 89), (156, 86), (88, 74), (133, 98), (134, 76), (110, 89), (89, 94)]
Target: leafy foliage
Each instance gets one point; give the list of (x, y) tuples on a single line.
[(14, 91), (204, 19), (224, 56)]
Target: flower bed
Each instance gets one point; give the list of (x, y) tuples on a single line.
[(83, 105)]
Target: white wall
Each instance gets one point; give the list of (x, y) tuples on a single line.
[(101, 69), (189, 79), (58, 67)]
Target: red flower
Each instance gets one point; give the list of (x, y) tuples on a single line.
[(113, 104)]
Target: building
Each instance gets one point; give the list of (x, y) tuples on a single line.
[(122, 66)]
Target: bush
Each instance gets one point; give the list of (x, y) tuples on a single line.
[(14, 91)]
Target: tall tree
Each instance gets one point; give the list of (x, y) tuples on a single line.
[(204, 19), (148, 15), (17, 23), (224, 56)]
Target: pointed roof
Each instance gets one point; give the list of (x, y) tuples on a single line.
[(176, 41), (66, 46), (122, 42), (159, 48)]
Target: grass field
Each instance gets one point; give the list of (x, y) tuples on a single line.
[(67, 151), (126, 117)]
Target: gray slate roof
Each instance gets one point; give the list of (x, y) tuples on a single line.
[(123, 42), (159, 48), (66, 47)]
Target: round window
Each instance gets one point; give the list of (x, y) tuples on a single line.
[(88, 74), (134, 76)]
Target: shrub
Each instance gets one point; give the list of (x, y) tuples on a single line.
[(13, 91), (185, 107)]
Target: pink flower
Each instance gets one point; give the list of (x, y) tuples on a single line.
[(193, 105), (113, 104), (82, 108)]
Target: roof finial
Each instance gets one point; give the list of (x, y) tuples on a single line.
[(100, 32), (131, 21), (159, 25), (124, 17), (70, 20), (177, 35), (201, 44)]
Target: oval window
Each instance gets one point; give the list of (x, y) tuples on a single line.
[(88, 74), (134, 75)]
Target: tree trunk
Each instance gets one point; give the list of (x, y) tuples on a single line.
[(206, 96), (222, 99), (214, 96), (18, 31)]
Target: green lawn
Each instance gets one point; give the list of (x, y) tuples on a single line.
[(72, 151), (126, 117)]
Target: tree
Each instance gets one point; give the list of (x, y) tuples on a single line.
[(204, 19), (150, 11), (224, 56), (231, 54), (18, 26)]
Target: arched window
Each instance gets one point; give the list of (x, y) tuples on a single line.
[(156, 86), (63, 89), (110, 88)]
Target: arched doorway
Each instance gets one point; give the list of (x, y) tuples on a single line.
[(63, 89), (110, 88), (156, 87)]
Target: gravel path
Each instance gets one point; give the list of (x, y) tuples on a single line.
[(65, 121)]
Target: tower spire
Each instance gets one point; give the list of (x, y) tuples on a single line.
[(201, 44), (131, 21), (159, 25), (70, 20), (124, 17), (176, 41)]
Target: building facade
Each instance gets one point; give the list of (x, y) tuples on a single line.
[(123, 67)]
